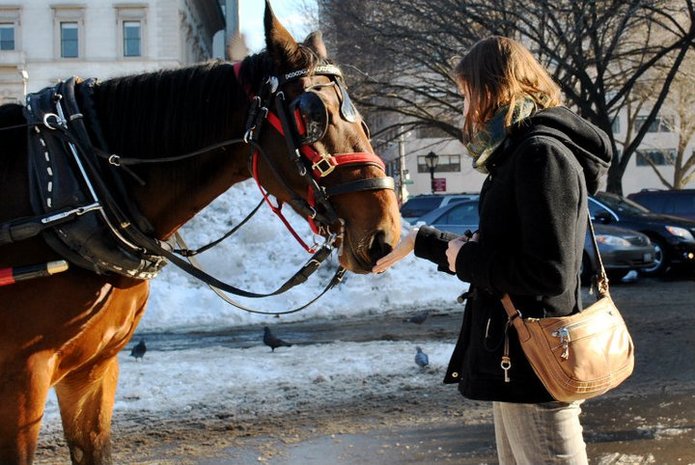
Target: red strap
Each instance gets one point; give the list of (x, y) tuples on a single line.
[(278, 209), (6, 276)]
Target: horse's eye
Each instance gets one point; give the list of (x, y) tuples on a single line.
[(365, 128)]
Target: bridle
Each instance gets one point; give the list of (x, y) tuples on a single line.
[(303, 122)]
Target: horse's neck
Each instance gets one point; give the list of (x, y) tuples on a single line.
[(171, 114)]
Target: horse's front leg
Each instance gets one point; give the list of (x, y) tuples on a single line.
[(86, 399), (24, 386)]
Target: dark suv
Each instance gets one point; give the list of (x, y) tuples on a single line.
[(673, 237), (669, 202), (418, 205)]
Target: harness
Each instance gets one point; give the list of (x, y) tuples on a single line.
[(84, 220), (69, 192)]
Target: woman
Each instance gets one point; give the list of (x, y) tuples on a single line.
[(542, 161)]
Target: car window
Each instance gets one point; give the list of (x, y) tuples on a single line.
[(461, 214), (416, 207), (621, 204)]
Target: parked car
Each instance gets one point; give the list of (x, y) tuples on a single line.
[(418, 205), (672, 236), (677, 202), (622, 250)]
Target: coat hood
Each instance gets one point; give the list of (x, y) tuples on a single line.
[(589, 144)]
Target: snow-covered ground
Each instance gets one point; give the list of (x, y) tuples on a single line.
[(260, 257)]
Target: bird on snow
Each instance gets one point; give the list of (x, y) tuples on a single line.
[(421, 358), (273, 342), (418, 318), (139, 350)]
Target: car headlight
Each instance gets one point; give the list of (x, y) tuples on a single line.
[(612, 240), (680, 232)]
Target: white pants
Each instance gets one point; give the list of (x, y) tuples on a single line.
[(539, 434)]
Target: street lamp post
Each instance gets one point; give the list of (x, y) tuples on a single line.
[(431, 160)]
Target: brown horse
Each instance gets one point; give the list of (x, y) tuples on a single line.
[(65, 331)]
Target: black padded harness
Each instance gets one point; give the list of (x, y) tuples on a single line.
[(66, 183)]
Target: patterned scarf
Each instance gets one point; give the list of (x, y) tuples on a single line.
[(484, 142)]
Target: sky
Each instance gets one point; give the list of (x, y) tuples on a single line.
[(291, 14)]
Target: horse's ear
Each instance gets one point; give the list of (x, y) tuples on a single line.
[(279, 42), (315, 42)]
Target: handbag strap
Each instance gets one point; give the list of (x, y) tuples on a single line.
[(602, 278)]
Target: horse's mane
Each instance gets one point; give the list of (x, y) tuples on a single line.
[(168, 112), (193, 106)]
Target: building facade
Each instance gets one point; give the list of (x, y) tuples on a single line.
[(45, 41)]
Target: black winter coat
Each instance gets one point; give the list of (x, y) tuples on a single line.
[(533, 219)]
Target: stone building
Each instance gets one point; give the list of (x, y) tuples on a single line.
[(44, 41)]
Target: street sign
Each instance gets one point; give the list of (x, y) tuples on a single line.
[(439, 184)]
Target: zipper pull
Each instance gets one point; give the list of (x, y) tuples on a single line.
[(564, 335)]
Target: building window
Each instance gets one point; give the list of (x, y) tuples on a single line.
[(10, 28), (7, 36), (69, 40), (68, 30), (132, 39), (659, 157), (132, 29), (660, 123), (445, 164)]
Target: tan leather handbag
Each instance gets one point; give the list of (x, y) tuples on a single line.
[(577, 356)]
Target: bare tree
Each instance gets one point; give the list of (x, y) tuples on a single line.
[(601, 54)]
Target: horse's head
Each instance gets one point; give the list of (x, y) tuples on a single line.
[(319, 158)]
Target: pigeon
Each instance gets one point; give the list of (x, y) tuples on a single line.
[(139, 350), (419, 318), (421, 358), (273, 342)]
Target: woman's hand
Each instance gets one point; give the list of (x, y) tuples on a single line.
[(454, 247), (401, 251)]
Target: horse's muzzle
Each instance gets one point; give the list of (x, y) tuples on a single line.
[(361, 256)]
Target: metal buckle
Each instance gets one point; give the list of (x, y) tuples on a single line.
[(59, 122), (330, 165)]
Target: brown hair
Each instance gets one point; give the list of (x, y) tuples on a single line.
[(496, 72)]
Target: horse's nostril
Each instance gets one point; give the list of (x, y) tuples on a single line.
[(378, 246)]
